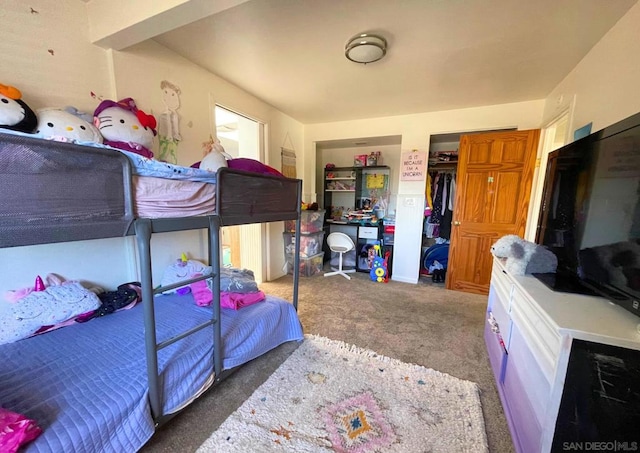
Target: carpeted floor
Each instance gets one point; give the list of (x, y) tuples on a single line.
[(423, 324)]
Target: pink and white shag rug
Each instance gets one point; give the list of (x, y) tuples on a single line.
[(331, 396)]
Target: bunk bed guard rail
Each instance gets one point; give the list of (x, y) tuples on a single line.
[(50, 192), (241, 200)]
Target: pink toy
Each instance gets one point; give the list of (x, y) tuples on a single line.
[(16, 430), (39, 286), (16, 295)]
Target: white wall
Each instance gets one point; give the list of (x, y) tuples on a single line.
[(415, 131), (605, 84), (68, 77), (200, 92), (48, 56), (602, 88)]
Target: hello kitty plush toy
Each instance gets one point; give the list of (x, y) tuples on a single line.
[(68, 125), (125, 127)]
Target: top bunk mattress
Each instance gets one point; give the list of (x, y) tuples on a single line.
[(58, 192)]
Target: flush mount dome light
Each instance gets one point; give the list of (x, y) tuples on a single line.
[(366, 48)]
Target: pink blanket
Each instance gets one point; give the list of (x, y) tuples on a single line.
[(203, 296), (158, 197), (239, 300)]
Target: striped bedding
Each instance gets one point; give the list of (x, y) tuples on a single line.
[(86, 385)]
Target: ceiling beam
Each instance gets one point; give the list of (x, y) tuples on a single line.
[(118, 24)]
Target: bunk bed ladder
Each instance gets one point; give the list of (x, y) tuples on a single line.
[(144, 228), (214, 262)]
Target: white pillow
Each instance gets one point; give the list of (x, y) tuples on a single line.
[(182, 270), (54, 305)]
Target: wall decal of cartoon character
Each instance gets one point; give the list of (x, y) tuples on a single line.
[(169, 123)]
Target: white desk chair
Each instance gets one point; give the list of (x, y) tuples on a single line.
[(341, 244)]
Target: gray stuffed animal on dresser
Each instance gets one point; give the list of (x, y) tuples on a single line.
[(524, 257)]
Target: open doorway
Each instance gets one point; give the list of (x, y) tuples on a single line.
[(241, 137)]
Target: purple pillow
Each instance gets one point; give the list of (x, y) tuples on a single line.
[(252, 165)]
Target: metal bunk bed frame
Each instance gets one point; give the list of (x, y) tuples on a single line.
[(229, 205), (71, 172)]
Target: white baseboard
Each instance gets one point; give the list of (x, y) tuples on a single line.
[(413, 280)]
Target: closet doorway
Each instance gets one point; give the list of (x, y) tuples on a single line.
[(241, 137), (494, 177)]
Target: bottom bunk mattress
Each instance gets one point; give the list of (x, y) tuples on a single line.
[(86, 385)]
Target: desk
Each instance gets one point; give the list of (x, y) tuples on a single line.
[(361, 234)]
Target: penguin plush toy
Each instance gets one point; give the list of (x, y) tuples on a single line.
[(15, 114)]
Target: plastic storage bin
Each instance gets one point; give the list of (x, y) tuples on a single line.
[(310, 243), (312, 265), (310, 222)]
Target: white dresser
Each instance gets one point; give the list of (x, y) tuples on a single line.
[(537, 340)]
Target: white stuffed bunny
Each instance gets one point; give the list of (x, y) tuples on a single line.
[(216, 156)]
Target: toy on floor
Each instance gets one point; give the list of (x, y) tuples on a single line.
[(15, 114), (125, 127), (379, 272), (524, 257)]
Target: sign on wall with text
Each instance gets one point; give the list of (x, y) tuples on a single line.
[(413, 166)]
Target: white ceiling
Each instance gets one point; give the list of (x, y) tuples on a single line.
[(442, 54)]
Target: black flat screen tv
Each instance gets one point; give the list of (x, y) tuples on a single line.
[(590, 214)]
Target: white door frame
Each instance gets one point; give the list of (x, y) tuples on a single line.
[(252, 236), (555, 134)]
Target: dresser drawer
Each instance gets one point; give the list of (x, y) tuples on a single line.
[(503, 286), (496, 352), (530, 375), (526, 431), (501, 318), (538, 331)]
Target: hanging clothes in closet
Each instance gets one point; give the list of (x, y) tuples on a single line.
[(442, 189)]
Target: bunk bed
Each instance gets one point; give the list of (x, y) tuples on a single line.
[(108, 384)]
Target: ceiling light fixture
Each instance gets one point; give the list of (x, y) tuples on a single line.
[(365, 48)]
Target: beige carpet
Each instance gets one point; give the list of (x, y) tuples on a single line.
[(422, 324)]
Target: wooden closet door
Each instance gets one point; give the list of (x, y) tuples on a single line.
[(495, 172)]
